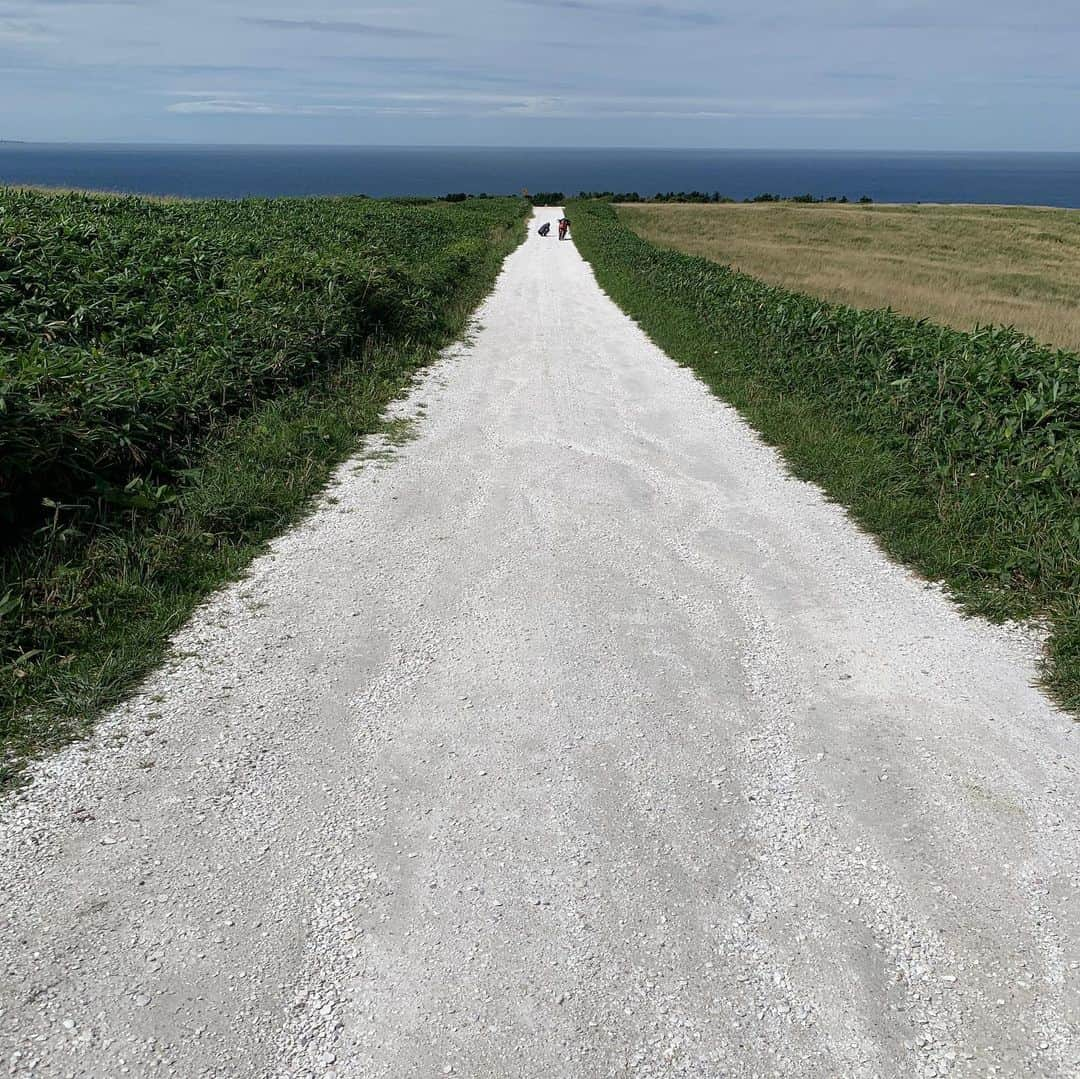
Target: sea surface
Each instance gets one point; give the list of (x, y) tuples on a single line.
[(232, 172)]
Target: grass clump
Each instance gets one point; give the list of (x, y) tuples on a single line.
[(177, 380), (960, 451)]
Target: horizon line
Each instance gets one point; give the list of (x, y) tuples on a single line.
[(183, 143)]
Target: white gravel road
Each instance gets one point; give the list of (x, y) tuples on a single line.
[(571, 739)]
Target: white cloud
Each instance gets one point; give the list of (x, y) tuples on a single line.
[(634, 107), (434, 103), (203, 105), (23, 32)]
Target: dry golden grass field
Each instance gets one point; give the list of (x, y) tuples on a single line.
[(960, 265)]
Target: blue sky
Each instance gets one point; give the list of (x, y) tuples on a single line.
[(847, 74)]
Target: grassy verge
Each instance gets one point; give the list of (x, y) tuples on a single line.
[(167, 410), (960, 452)]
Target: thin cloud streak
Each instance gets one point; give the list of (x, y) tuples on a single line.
[(21, 31), (244, 107), (337, 26), (622, 10), (859, 76), (527, 106)]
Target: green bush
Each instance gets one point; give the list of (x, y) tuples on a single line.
[(130, 328), (985, 424)]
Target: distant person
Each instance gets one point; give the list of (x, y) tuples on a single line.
[(545, 228), (564, 227)]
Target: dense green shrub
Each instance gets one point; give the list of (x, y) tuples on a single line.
[(130, 328), (987, 423)]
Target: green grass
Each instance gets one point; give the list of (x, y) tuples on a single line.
[(177, 382), (959, 451)]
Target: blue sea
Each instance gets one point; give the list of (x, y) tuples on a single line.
[(1047, 179)]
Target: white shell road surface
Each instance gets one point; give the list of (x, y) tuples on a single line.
[(572, 738)]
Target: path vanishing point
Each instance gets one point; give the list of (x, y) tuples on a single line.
[(571, 738)]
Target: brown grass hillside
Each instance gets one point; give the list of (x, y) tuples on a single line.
[(959, 265)]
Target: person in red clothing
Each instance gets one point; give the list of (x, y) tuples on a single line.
[(564, 227)]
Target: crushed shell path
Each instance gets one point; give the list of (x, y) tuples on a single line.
[(573, 738)]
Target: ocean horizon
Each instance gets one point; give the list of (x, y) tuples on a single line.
[(220, 171)]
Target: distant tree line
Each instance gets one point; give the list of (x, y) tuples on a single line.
[(669, 196), (557, 198), (716, 196), (864, 199), (547, 198)]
